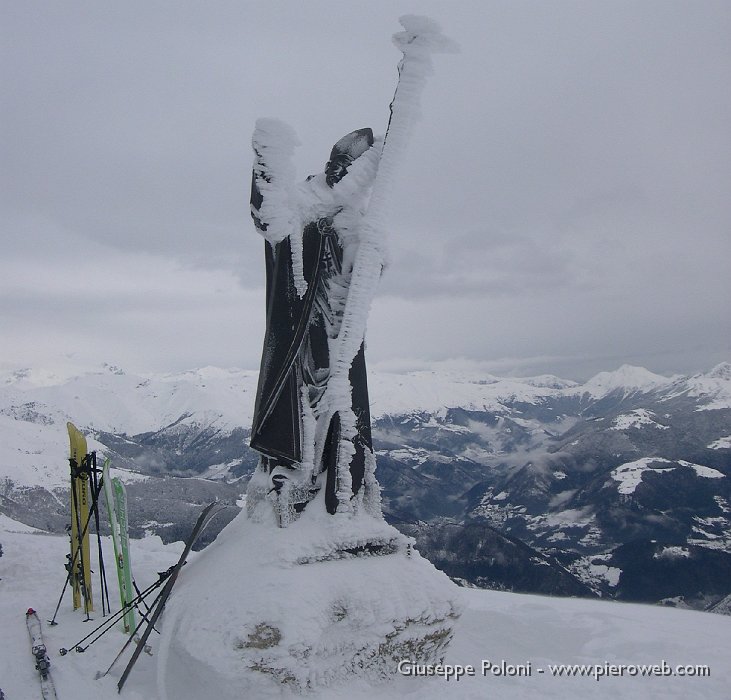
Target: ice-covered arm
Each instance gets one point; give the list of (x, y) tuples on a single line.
[(273, 200), (420, 39)]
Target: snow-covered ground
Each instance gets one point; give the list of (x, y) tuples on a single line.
[(637, 419), (630, 474), (514, 633)]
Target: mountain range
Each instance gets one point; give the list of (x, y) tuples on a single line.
[(618, 487)]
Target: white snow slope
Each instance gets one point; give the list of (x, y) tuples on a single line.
[(526, 632)]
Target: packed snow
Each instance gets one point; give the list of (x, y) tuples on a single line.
[(308, 613), (511, 633)]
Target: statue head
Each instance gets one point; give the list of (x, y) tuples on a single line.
[(345, 151)]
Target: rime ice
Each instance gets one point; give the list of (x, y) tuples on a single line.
[(326, 250), (338, 593)]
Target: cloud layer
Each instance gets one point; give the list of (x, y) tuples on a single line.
[(564, 206)]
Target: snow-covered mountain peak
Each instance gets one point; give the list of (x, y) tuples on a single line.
[(627, 378), (106, 398), (720, 371), (714, 386)]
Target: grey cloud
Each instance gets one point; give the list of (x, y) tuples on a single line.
[(565, 194)]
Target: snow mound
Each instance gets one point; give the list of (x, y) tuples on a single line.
[(305, 607), (516, 628)]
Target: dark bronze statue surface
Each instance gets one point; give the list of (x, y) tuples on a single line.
[(297, 437)]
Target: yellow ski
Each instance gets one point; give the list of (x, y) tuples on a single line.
[(80, 559)]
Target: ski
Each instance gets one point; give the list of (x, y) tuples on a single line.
[(38, 649), (79, 558), (120, 500), (202, 521), (116, 500)]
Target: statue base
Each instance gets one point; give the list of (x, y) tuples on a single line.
[(330, 598)]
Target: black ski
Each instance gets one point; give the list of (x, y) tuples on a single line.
[(165, 593), (38, 649)]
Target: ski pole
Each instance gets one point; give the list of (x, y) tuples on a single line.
[(144, 614), (120, 613), (96, 490), (147, 607), (148, 610), (109, 623), (128, 642), (72, 562)]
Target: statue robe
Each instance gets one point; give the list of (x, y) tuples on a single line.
[(295, 356)]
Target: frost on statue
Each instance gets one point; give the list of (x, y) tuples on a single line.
[(312, 234), (340, 593), (325, 252)]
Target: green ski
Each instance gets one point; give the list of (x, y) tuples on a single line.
[(116, 499)]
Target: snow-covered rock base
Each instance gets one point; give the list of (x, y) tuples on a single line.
[(328, 599)]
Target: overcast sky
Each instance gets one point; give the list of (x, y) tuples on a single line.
[(565, 206)]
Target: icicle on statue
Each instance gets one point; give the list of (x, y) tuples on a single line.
[(311, 233)]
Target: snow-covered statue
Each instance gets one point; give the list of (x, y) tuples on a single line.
[(312, 235), (325, 251), (275, 605)]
